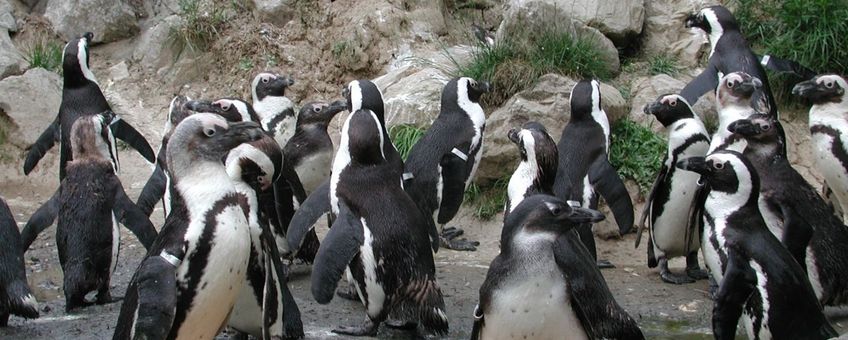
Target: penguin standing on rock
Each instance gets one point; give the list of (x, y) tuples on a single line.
[(537, 171), (829, 130), (442, 164), (15, 296), (81, 96), (584, 169), (671, 198), (380, 238), (544, 283), (759, 279), (275, 110), (187, 284)]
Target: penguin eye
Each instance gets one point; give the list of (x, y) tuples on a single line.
[(473, 83), (718, 166), (225, 106), (730, 84), (316, 109), (829, 84), (673, 103), (765, 127), (265, 80), (209, 132)]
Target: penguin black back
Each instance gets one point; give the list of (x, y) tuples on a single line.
[(15, 294)]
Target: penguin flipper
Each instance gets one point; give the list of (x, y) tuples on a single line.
[(703, 83), (44, 143), (455, 172), (290, 175), (132, 217), (124, 131), (649, 202), (153, 191), (796, 233), (156, 288), (40, 220), (316, 205), (601, 316), (781, 65), (606, 181), (340, 246), (736, 286)]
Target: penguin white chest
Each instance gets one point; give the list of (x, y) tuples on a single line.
[(711, 253), (671, 227), (836, 176), (314, 170)]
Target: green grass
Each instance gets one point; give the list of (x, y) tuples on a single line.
[(515, 63), (662, 64), (404, 137), (488, 200), (636, 152), (45, 54), (245, 64), (200, 26)]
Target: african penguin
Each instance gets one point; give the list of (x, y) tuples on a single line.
[(584, 170), (733, 97), (795, 213), (15, 295), (81, 96), (190, 279), (673, 193), (91, 201), (379, 238), (443, 162), (544, 284), (310, 149), (156, 187), (759, 279), (828, 126), (539, 161), (275, 110)]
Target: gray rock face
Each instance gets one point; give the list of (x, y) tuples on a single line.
[(619, 20), (109, 20), (664, 30), (276, 12), (7, 19), (31, 101), (152, 49), (645, 90), (547, 103), (11, 60)]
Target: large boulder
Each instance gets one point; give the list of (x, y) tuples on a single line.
[(276, 12), (645, 90), (547, 103), (109, 20), (152, 50), (620, 20), (525, 20), (7, 18), (665, 33), (11, 60), (31, 101)]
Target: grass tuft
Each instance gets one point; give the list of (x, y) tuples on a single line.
[(404, 137), (200, 26), (45, 54), (636, 152), (662, 64), (487, 200)]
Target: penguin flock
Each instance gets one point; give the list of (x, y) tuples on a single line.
[(243, 184)]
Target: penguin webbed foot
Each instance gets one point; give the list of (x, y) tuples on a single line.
[(449, 238), (693, 269), (668, 277), (401, 324), (368, 328), (348, 293)]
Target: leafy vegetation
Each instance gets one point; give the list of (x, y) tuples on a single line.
[(636, 152), (487, 200), (200, 26), (45, 54), (662, 64), (404, 137)]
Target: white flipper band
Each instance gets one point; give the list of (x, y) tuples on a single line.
[(459, 154), (407, 176), (765, 60), (573, 204), (173, 260)]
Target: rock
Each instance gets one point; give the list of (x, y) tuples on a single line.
[(152, 50), (414, 99), (276, 12), (31, 101), (109, 20), (119, 71), (524, 20), (11, 60), (7, 18), (547, 103), (665, 34), (645, 90), (620, 20)]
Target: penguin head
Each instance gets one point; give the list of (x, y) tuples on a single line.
[(319, 112), (177, 111), (91, 136), (546, 214), (270, 85), (585, 99), (233, 110), (758, 126), (207, 137), (737, 88), (364, 138), (669, 108), (75, 61), (364, 94), (464, 90), (725, 170), (537, 147), (823, 89), (713, 19), (257, 163)]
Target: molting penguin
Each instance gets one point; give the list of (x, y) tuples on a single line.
[(189, 281), (537, 170), (443, 162), (156, 187), (91, 200), (544, 283), (759, 279), (275, 110), (829, 126), (15, 295), (310, 149), (380, 236), (81, 96), (671, 198), (795, 213), (584, 169)]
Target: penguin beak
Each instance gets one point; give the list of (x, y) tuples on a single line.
[(289, 81), (805, 88), (88, 36), (582, 215), (748, 86), (513, 136), (200, 106), (651, 108), (484, 87), (694, 164), (693, 20), (243, 132), (336, 107), (744, 127)]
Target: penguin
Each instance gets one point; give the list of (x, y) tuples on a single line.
[(275, 110), (380, 238), (536, 172), (673, 193), (91, 201), (81, 96), (15, 295), (310, 149), (828, 125), (232, 109), (443, 162), (584, 170), (795, 213), (188, 282), (155, 188), (759, 279), (733, 96), (544, 284), (729, 52)]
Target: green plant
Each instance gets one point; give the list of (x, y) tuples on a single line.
[(636, 152), (487, 200), (662, 64), (200, 27), (45, 54), (404, 137), (245, 64)]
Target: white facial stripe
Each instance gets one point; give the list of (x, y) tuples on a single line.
[(252, 153), (82, 56), (379, 133), (473, 110), (341, 160), (255, 83), (209, 120), (716, 30), (596, 95), (242, 109), (355, 96), (598, 113)]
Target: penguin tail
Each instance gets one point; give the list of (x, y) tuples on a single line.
[(21, 301), (424, 301)]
